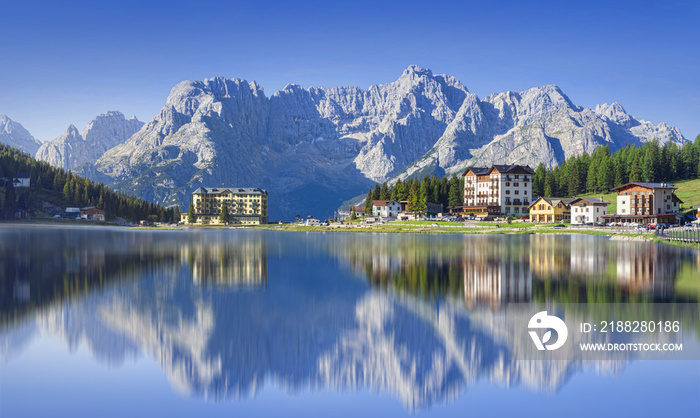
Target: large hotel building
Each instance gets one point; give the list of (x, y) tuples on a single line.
[(498, 190), (246, 206)]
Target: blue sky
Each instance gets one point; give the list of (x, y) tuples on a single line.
[(63, 64)]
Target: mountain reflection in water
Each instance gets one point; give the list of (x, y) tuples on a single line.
[(224, 312)]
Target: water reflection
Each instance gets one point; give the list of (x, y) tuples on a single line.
[(431, 324)]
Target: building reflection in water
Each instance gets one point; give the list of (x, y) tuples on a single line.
[(228, 263), (496, 270), (496, 274), (647, 269)]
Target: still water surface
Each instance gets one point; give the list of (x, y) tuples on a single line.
[(114, 322)]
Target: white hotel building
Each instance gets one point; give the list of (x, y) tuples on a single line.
[(498, 190)]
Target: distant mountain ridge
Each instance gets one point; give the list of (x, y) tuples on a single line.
[(314, 148), (14, 135), (73, 149)]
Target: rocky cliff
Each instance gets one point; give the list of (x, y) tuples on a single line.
[(14, 135), (74, 149), (313, 148)]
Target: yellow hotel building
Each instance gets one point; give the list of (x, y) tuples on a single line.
[(551, 209), (246, 206)]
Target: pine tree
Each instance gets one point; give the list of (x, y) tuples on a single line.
[(635, 171), (176, 214), (384, 192), (353, 215), (455, 194), (191, 218), (224, 216), (368, 203), (538, 180), (377, 192), (574, 181), (550, 186), (415, 199), (605, 175)]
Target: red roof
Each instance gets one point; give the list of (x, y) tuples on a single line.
[(383, 202)]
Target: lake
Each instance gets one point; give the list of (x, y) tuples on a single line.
[(118, 322)]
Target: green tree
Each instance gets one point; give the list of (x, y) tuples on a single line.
[(606, 175), (538, 180), (353, 215), (455, 194), (176, 213), (191, 218), (368, 204), (592, 176), (224, 216), (574, 181), (377, 192), (550, 185), (384, 192), (635, 171)]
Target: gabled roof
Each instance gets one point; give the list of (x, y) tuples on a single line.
[(476, 170), (383, 202), (649, 185), (553, 201), (501, 168), (504, 169), (234, 190), (591, 200)]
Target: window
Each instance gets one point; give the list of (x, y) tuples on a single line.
[(507, 184), (517, 192), (507, 191), (516, 184)]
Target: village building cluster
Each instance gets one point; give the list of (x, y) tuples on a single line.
[(502, 191)]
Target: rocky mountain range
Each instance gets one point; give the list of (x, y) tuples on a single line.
[(14, 135), (73, 149), (314, 148)]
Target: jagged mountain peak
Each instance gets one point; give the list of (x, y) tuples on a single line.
[(73, 149), (340, 139), (14, 135)]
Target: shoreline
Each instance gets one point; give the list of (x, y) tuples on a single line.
[(382, 229)]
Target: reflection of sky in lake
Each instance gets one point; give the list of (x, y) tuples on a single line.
[(279, 323)]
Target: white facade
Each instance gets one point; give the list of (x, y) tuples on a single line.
[(313, 222), (386, 208), (661, 199), (507, 187), (584, 212)]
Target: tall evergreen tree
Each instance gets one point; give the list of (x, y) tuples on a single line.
[(191, 218), (377, 192), (635, 171), (224, 216), (384, 192), (538, 180), (368, 203), (455, 194), (550, 186), (574, 181)]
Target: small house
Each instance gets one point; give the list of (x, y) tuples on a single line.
[(588, 210)]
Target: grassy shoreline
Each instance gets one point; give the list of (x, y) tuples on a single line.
[(397, 228)]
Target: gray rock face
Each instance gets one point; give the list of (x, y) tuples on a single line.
[(14, 135), (537, 125), (313, 148), (74, 149)]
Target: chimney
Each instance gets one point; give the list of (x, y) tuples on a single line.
[(222, 185)]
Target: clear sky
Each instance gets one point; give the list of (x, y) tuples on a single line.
[(66, 63)]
